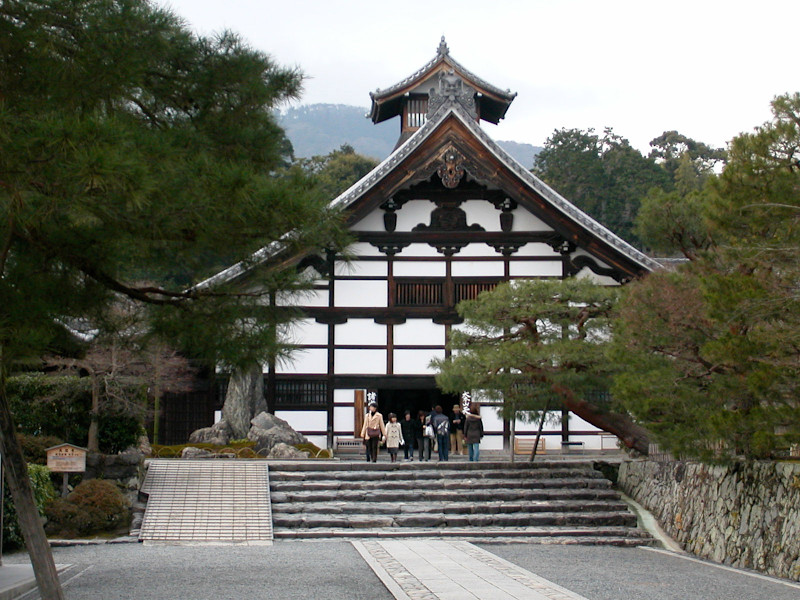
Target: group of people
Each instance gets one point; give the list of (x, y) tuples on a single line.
[(460, 431)]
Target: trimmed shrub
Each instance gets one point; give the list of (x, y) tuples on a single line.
[(34, 446), (43, 493), (94, 506)]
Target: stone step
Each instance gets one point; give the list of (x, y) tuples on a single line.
[(559, 535), (456, 508), (436, 484), (549, 519), (433, 474), (336, 465), (440, 495)]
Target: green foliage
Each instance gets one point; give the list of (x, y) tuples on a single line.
[(34, 446), (337, 171), (51, 406), (118, 431), (141, 178), (531, 342), (603, 176), (713, 347), (43, 493), (94, 506)]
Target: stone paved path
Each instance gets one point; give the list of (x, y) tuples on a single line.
[(445, 570)]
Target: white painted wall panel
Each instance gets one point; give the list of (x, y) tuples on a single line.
[(587, 273), (590, 442), (344, 418), (552, 422), (525, 221), (491, 442), (363, 249), (539, 268), (483, 213), (482, 250), (307, 331), (372, 222), (361, 268), (415, 362), (360, 362), (578, 424), (304, 361), (420, 250), (478, 269), (360, 293), (320, 441), (344, 396), (536, 249), (492, 421), (419, 269), (305, 420), (419, 332), (304, 298), (360, 332), (413, 213)]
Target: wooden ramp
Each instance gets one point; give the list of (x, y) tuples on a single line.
[(207, 502)]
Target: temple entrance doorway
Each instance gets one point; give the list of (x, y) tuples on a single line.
[(414, 400)]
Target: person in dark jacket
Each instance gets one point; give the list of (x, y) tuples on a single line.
[(441, 426), (410, 428), (457, 431), (473, 431), (424, 443)]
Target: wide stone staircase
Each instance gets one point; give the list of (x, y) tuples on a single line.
[(547, 502)]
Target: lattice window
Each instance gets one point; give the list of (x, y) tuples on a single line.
[(419, 293), (470, 290), (416, 112), (293, 393)]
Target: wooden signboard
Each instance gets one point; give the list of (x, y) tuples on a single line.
[(66, 458)]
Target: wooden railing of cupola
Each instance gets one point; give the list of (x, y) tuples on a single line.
[(416, 112)]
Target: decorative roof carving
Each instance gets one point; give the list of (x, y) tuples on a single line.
[(451, 169), (452, 89)]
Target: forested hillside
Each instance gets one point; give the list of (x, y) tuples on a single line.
[(318, 129)]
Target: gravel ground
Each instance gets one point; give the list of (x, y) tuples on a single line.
[(611, 573), (285, 571), (335, 571)]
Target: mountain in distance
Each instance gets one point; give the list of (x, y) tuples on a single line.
[(317, 129)]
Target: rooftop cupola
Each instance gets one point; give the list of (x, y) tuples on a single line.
[(440, 81)]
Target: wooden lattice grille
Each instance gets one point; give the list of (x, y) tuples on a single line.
[(293, 393), (419, 293), (416, 112)]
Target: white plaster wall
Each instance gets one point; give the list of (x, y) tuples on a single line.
[(305, 420), (320, 441), (419, 332), (576, 423), (482, 250), (552, 423), (372, 222), (360, 362), (590, 442), (413, 213), (587, 273), (483, 213), (492, 421), (340, 396), (363, 249), (361, 268), (539, 268), (478, 268), (420, 250), (304, 361), (419, 269), (536, 249), (305, 298), (415, 362), (307, 331), (360, 293), (344, 419), (360, 332), (525, 221), (492, 442)]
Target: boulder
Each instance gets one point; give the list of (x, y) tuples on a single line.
[(268, 430), (218, 434), (265, 420), (192, 452), (281, 450)]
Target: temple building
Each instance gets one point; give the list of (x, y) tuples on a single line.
[(446, 216)]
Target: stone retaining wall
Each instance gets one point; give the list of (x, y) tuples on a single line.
[(744, 514)]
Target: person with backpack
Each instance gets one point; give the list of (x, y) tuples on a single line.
[(441, 425)]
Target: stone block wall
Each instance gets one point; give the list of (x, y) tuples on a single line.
[(744, 514), (126, 468)]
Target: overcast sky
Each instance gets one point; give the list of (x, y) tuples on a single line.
[(707, 68)]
